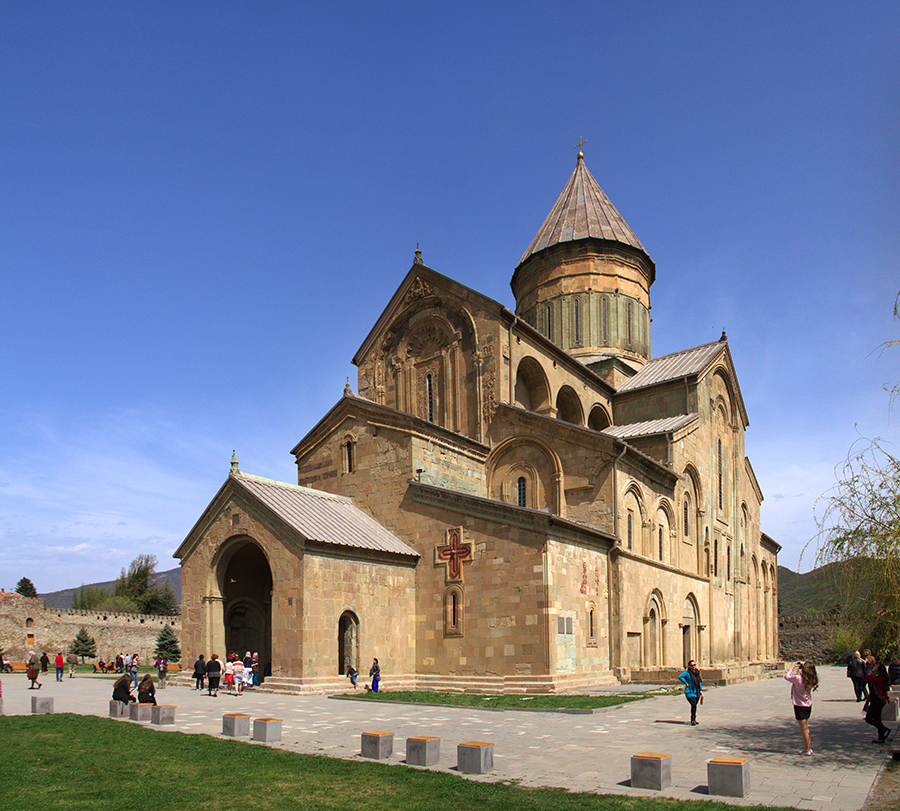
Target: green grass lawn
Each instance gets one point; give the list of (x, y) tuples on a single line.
[(534, 702), (83, 763)]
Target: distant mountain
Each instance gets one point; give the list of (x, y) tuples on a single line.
[(63, 599), (816, 592)]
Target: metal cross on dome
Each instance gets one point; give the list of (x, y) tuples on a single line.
[(454, 553)]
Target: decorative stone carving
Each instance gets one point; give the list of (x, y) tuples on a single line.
[(453, 555), (418, 289), (427, 342)]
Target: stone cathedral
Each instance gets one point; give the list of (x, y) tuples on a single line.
[(511, 501)]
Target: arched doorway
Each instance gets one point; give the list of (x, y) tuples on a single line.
[(348, 642), (690, 631), (247, 597)]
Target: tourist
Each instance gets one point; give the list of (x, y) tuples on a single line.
[(122, 690), (894, 670), (229, 675), (146, 690), (120, 664), (248, 660), (693, 688), (856, 670), (213, 674), (255, 668), (59, 662), (352, 674), (199, 672), (803, 683), (877, 679), (237, 669), (248, 675), (134, 669), (162, 671), (45, 662), (375, 673), (33, 670), (72, 659)]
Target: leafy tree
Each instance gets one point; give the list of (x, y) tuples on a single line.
[(167, 645), (860, 525), (26, 588), (83, 644), (139, 586), (90, 598)]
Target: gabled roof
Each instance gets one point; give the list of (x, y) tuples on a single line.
[(582, 211), (685, 363), (650, 427), (314, 515)]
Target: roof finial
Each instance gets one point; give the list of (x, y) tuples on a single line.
[(724, 338), (347, 390), (418, 256), (578, 146), (234, 464)]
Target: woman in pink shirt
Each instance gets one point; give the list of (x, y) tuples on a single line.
[(803, 682)]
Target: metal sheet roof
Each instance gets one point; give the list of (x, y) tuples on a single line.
[(582, 210), (650, 427), (323, 517), (671, 367)]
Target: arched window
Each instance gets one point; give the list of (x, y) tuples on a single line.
[(429, 396), (576, 322), (630, 523), (604, 329), (716, 557), (29, 622), (349, 451), (728, 563), (453, 611), (660, 543), (686, 520), (719, 470), (522, 492), (548, 320)]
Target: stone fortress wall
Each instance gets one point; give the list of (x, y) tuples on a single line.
[(26, 624), (808, 637)]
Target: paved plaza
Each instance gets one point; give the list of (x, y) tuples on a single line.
[(578, 752)]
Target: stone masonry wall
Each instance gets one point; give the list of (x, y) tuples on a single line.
[(27, 624), (807, 637)]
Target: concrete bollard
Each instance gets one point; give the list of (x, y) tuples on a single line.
[(117, 709), (267, 729), (41, 705), (236, 724), (162, 714), (475, 757), (139, 712), (377, 745), (423, 751), (728, 776), (652, 770)]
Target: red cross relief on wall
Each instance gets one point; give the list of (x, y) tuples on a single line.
[(453, 554)]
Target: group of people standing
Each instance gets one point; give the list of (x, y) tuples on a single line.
[(871, 681), (234, 672)]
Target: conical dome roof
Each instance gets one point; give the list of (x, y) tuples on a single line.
[(582, 211)]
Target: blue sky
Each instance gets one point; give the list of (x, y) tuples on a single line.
[(204, 207)]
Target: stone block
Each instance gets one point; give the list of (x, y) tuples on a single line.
[(423, 751), (267, 729), (42, 705), (236, 724), (377, 745), (117, 709), (139, 712), (475, 757), (728, 776), (162, 715), (652, 770)]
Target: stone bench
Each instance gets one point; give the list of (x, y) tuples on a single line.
[(236, 724), (423, 751), (652, 770), (42, 705), (162, 714), (728, 776), (139, 712), (377, 745), (267, 730), (117, 709), (475, 757)]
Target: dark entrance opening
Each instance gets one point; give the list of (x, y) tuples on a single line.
[(348, 642), (248, 605)]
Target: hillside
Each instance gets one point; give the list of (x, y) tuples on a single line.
[(63, 598), (816, 592)]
